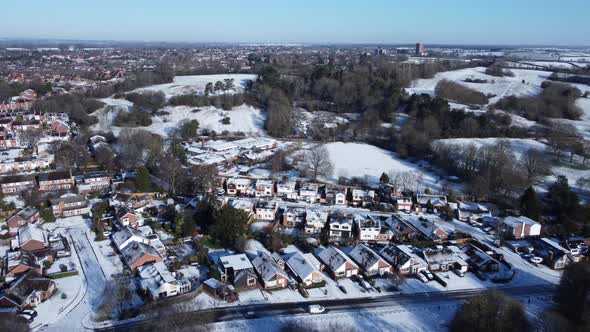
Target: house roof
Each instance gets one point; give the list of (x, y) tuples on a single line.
[(237, 262), (51, 176), (267, 267), (335, 258), (136, 250), (16, 178), (365, 256), (27, 212), (31, 232), (28, 283), (472, 207), (518, 221), (125, 234), (67, 199), (157, 272), (301, 265)]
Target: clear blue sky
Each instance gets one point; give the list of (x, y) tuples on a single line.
[(565, 22)]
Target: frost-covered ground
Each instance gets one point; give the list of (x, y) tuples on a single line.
[(196, 84), (369, 162), (243, 118), (519, 145)]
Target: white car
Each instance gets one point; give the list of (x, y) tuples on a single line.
[(316, 309), (422, 277), (536, 260), (428, 274), (459, 272)]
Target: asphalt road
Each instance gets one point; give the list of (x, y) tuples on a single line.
[(343, 305)]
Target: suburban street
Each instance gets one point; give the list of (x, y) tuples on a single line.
[(350, 305)]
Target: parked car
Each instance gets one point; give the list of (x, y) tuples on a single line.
[(536, 260), (30, 312), (459, 273), (422, 277), (428, 274), (316, 309)]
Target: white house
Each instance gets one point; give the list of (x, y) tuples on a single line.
[(309, 193), (264, 188), (306, 268), (315, 220), (237, 185), (160, 283), (287, 190), (368, 226)]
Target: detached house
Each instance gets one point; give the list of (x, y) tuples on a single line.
[(27, 215), (264, 188), (31, 237), (270, 272), (16, 263), (138, 254), (403, 259), (287, 190), (335, 197), (340, 265), (59, 128), (369, 261), (28, 291), (160, 283), (520, 227), (554, 255), (368, 227), (444, 259), (293, 217), (69, 206), (340, 225), (236, 186), (468, 211), (266, 211), (55, 181), (315, 220), (306, 268), (431, 203), (127, 218), (237, 270)]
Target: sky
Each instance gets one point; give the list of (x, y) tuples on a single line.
[(506, 22)]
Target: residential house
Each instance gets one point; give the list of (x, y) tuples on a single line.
[(403, 259), (237, 186), (426, 227), (306, 268), (469, 211), (128, 218), (520, 227), (126, 236), (287, 190), (59, 128), (431, 203), (69, 205), (138, 254), (93, 182), (400, 231), (444, 259), (264, 188), (480, 260), (136, 202), (31, 237), (220, 290), (270, 273), (27, 215), (315, 220), (357, 196), (266, 211), (340, 225), (403, 203), (554, 255), (370, 262), (245, 205), (237, 270), (55, 181), (13, 184), (336, 197), (160, 283), (340, 265), (28, 291), (16, 263), (309, 193), (293, 217), (368, 227)]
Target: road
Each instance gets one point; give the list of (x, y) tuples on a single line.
[(348, 305), (94, 278)]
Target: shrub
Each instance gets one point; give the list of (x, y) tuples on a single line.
[(226, 120), (135, 118), (459, 93)]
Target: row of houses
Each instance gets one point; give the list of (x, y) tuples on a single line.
[(56, 181)]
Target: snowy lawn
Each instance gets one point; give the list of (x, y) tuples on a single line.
[(195, 84)]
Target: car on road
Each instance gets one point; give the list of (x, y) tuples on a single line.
[(316, 309), (536, 260), (29, 312), (459, 273), (250, 315), (428, 274)]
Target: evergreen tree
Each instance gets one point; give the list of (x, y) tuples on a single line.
[(573, 291), (384, 178), (530, 205), (179, 225), (142, 179)]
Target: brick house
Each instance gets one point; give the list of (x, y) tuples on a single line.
[(28, 291), (340, 265), (27, 215), (31, 237), (270, 273), (69, 206), (55, 181), (13, 184), (59, 128), (139, 254)]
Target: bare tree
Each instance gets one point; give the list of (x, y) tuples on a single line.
[(535, 166), (317, 162), (30, 138)]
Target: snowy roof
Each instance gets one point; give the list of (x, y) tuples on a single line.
[(157, 271), (442, 256), (265, 183), (436, 200), (425, 226), (125, 234), (267, 267), (334, 258), (518, 221), (236, 262), (242, 204), (364, 255), (239, 181), (136, 250), (471, 206), (31, 232), (301, 265)]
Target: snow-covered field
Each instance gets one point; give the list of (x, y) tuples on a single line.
[(196, 84), (243, 118), (519, 145), (498, 86), (369, 162)]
